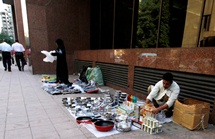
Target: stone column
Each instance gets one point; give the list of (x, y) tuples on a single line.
[(192, 23), (19, 22)]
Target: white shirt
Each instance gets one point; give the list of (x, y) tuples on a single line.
[(17, 47), (5, 47), (158, 92)]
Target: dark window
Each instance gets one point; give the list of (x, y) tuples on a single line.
[(206, 19)]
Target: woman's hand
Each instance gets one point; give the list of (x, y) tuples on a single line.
[(51, 52)]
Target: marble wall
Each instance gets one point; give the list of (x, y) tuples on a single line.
[(191, 60), (194, 60)]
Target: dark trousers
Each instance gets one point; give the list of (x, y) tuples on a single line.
[(6, 58), (20, 58)]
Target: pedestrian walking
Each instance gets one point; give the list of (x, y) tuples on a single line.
[(19, 55), (6, 55)]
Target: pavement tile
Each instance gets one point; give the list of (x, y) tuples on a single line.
[(1, 134), (2, 127), (42, 129), (77, 137), (18, 134), (16, 114), (3, 116), (16, 110), (48, 135), (35, 112), (15, 106), (12, 120), (64, 126), (40, 122), (38, 117), (17, 125), (60, 120), (34, 107), (70, 133)]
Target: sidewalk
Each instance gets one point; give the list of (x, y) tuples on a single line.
[(28, 112)]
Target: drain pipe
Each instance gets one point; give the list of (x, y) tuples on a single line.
[(200, 26)]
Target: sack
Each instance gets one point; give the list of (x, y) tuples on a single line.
[(82, 76), (95, 74)]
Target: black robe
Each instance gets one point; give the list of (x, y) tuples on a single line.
[(61, 69)]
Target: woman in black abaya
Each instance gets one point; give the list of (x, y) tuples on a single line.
[(61, 70)]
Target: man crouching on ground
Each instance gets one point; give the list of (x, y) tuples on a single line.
[(163, 94)]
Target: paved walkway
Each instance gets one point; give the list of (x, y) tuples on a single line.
[(28, 112)]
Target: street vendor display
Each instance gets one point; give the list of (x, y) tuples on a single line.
[(108, 114)]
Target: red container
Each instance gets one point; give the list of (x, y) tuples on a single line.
[(104, 126)]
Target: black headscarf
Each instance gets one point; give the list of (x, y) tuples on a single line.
[(60, 43)]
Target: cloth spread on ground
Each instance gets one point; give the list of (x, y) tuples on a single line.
[(53, 88), (97, 133), (78, 87)]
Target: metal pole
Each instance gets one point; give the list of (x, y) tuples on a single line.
[(100, 24), (114, 10), (159, 21), (200, 26), (132, 24)]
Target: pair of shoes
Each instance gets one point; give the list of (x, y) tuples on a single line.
[(69, 84), (9, 70), (5, 69), (19, 69)]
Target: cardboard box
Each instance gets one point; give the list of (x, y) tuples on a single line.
[(192, 114)]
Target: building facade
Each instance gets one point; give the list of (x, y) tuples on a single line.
[(199, 28), (7, 22)]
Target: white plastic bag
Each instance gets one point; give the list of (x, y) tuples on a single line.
[(49, 57)]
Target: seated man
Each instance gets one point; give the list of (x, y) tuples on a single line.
[(163, 94)]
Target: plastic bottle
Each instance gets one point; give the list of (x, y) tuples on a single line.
[(129, 98), (134, 99), (137, 113)]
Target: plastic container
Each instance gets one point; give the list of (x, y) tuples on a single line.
[(134, 99), (129, 98)]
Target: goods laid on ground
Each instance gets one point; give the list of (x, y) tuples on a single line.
[(147, 109), (112, 113), (53, 88), (151, 125)]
